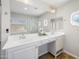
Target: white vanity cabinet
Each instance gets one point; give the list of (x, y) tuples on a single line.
[(59, 43), (30, 49), (56, 47), (23, 53)]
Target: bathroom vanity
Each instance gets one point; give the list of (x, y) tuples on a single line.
[(27, 48)]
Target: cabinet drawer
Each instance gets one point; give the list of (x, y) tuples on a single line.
[(23, 53)]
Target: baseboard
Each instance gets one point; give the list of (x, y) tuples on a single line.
[(42, 53), (76, 57)]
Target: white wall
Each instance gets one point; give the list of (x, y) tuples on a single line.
[(5, 20), (72, 32), (5, 23)]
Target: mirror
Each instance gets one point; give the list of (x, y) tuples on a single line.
[(22, 21), (30, 16), (75, 18)]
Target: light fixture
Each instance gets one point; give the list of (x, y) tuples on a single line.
[(25, 8), (52, 11), (23, 1)]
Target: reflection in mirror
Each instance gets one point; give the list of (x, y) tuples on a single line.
[(21, 20), (23, 23), (25, 17)]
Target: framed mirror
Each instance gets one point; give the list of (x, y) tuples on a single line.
[(75, 18)]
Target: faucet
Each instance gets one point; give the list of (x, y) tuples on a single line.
[(42, 32)]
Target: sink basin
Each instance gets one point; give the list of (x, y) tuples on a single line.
[(28, 38)]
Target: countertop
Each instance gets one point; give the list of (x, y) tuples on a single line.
[(31, 39)]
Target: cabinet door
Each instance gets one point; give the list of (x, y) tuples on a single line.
[(24, 53), (59, 43)]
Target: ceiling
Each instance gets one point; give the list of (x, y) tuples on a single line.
[(35, 7)]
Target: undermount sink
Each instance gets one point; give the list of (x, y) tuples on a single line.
[(28, 38)]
